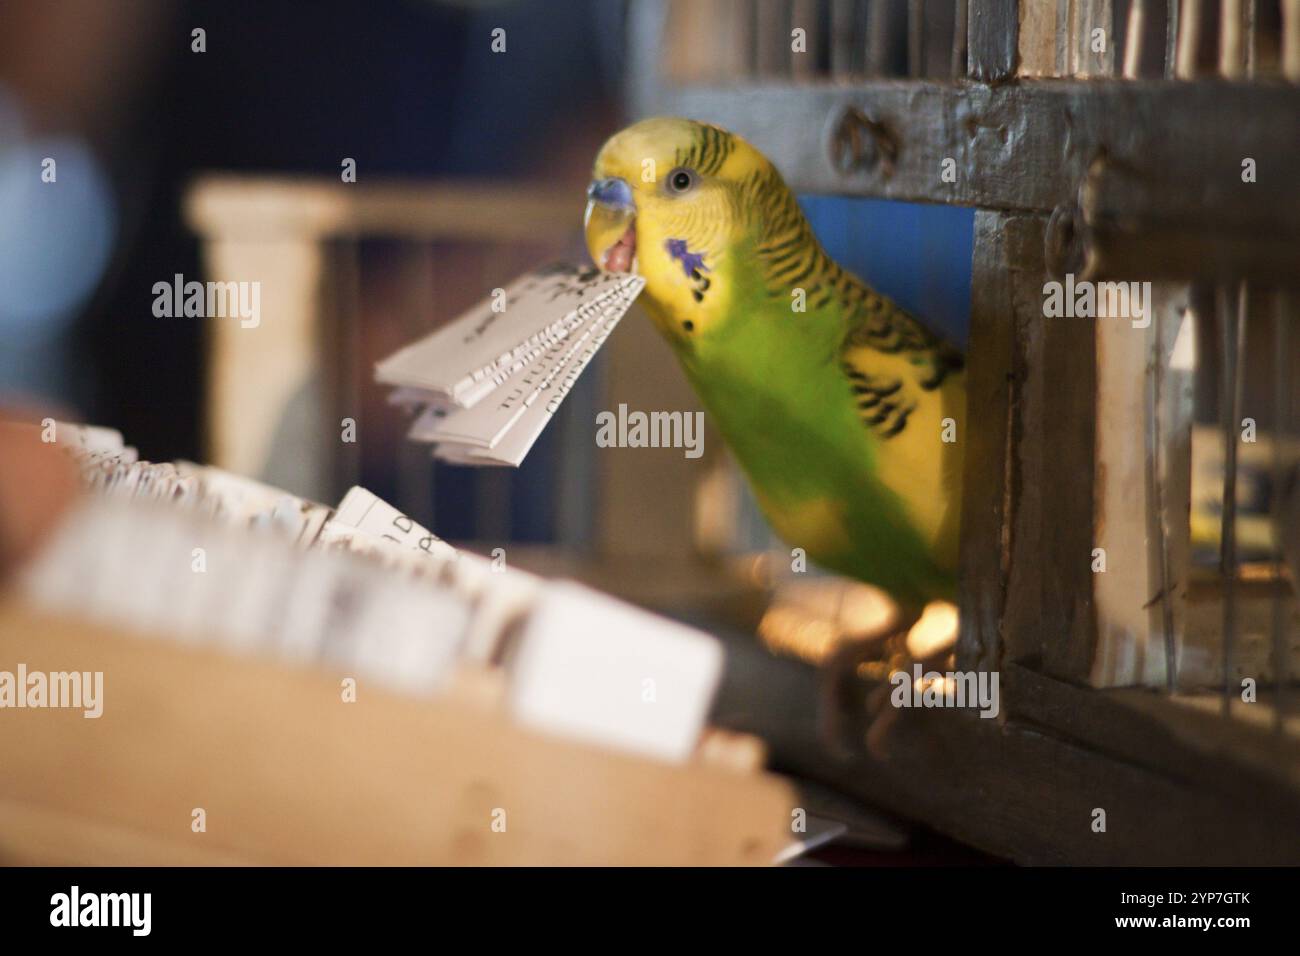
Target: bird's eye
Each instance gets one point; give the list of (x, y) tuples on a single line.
[(680, 180)]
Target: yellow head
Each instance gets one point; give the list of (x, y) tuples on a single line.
[(680, 203)]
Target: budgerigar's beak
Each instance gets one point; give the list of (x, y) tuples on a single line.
[(611, 224)]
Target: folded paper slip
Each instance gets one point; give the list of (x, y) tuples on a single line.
[(485, 385)]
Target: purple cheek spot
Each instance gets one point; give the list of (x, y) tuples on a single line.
[(691, 261)]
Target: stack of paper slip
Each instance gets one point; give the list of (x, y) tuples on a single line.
[(486, 384), (205, 556), (577, 663), (190, 577), (362, 522)]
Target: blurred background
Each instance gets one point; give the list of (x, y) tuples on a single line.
[(284, 91), (133, 115), (225, 164)]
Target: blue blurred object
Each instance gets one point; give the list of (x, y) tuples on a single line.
[(55, 237), (57, 225)]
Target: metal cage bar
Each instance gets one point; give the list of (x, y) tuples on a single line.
[(1234, 342), (1281, 432)]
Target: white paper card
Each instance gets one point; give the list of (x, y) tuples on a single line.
[(591, 667), (370, 514)]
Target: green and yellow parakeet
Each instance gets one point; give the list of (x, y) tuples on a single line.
[(844, 411)]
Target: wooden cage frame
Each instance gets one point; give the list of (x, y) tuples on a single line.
[(1089, 175)]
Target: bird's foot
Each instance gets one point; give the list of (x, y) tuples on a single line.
[(855, 713)]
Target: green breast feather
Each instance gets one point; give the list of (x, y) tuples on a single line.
[(837, 416)]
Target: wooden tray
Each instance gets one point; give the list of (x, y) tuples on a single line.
[(287, 773)]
